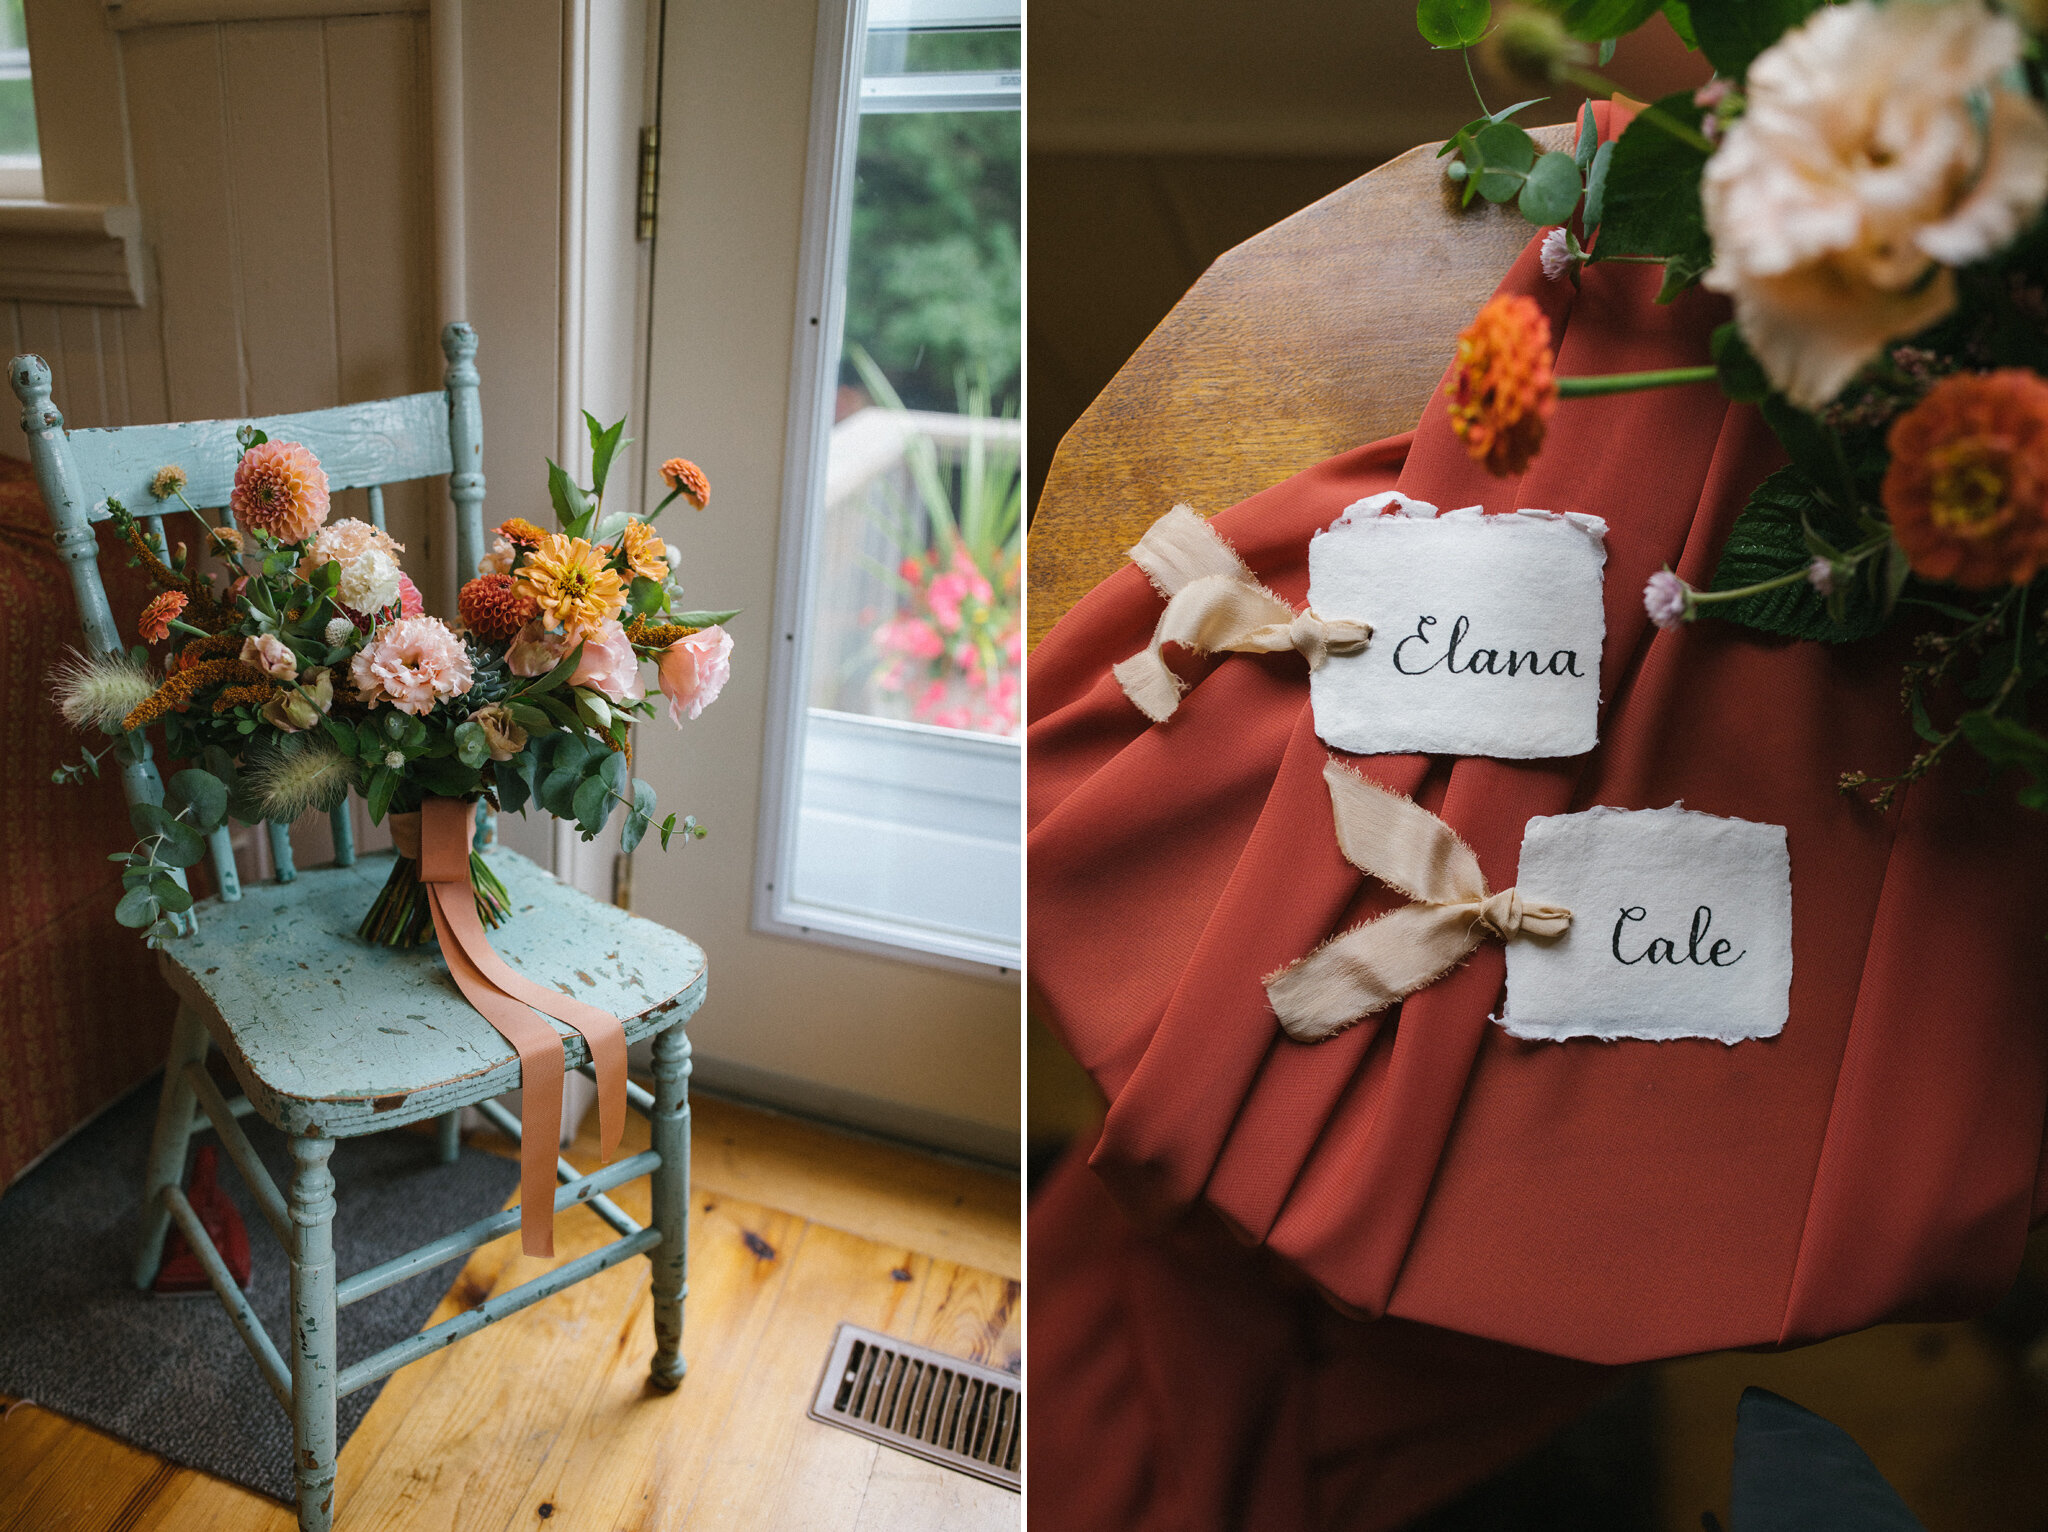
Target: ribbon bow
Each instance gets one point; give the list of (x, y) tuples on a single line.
[(1371, 966), (1214, 603), (438, 839)]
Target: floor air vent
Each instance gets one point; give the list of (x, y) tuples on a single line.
[(956, 1414)]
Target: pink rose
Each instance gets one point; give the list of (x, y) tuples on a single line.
[(609, 665), (535, 651), (269, 654), (694, 671)]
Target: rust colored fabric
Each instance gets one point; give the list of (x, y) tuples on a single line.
[(87, 1015), (1609, 1201), (1180, 1384), (438, 837)]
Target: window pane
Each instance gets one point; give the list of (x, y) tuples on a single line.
[(911, 776), (17, 98)]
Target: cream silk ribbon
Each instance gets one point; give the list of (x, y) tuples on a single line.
[(438, 838), (1213, 603), (1371, 966)]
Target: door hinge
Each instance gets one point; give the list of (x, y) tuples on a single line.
[(650, 179)]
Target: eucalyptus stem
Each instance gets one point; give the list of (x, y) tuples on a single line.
[(1630, 382)]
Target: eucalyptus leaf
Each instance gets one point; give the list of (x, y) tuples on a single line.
[(638, 818), (170, 893), (138, 908), (615, 773), (203, 794), (593, 803), (1596, 185), (472, 746), (182, 846), (1552, 190), (1453, 23), (1588, 141), (1603, 20), (645, 596), (558, 790), (1505, 153), (610, 527)]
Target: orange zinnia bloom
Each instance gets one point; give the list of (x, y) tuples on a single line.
[(687, 480), (645, 553), (1502, 389), (1968, 484), (568, 579), (156, 617)]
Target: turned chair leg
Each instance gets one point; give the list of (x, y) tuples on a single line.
[(167, 1146), (312, 1338), (670, 1125), (448, 1134)]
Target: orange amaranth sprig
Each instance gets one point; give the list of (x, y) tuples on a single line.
[(254, 693), (657, 635), (204, 611), (180, 688)]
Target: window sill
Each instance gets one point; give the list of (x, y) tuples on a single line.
[(70, 252)]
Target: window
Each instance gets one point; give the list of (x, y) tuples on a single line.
[(21, 164), (894, 815)]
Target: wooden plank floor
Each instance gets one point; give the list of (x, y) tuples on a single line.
[(547, 1416)]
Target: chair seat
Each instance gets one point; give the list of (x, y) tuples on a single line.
[(332, 1035)]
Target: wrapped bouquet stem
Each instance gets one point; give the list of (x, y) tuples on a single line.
[(403, 916)]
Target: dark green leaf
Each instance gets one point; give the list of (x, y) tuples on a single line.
[(1505, 153), (555, 677), (1598, 20), (1733, 32), (1508, 111), (703, 619), (1768, 540), (1680, 272), (2005, 743), (1651, 201), (604, 446), (644, 596), (593, 805), (1741, 375), (1588, 140), (341, 734), (1453, 23), (572, 506), (137, 908), (182, 846), (668, 828), (529, 717), (383, 783), (1596, 185), (1813, 450), (1552, 190), (203, 794), (1679, 14), (510, 779), (170, 893)]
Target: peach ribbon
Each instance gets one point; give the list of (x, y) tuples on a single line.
[(438, 838), (1372, 965), (1214, 603)]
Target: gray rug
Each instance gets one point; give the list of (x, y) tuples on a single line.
[(170, 1375)]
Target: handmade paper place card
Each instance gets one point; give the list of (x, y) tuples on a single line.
[(1681, 926), (1486, 630)]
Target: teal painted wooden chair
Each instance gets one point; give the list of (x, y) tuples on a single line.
[(329, 1036)]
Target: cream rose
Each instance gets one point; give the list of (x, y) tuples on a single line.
[(1859, 173)]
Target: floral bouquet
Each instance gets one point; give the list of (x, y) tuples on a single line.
[(314, 670), (1865, 181)]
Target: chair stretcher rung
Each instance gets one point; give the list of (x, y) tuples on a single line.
[(501, 1119), (638, 1097), (247, 1325), (484, 1230), (241, 1151), (240, 1106), (493, 1309)]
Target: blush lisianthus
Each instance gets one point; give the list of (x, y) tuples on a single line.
[(1878, 148), (155, 623), (1967, 489), (534, 651), (571, 584), (271, 655), (1502, 387), (414, 664), (609, 665), (693, 671), (498, 560), (280, 488), (341, 542)]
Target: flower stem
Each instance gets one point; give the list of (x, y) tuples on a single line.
[(1629, 382)]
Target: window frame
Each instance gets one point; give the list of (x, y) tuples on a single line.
[(837, 98)]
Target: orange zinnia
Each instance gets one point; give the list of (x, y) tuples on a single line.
[(1968, 484), (568, 579), (1502, 388), (156, 617), (645, 553), (687, 480)]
